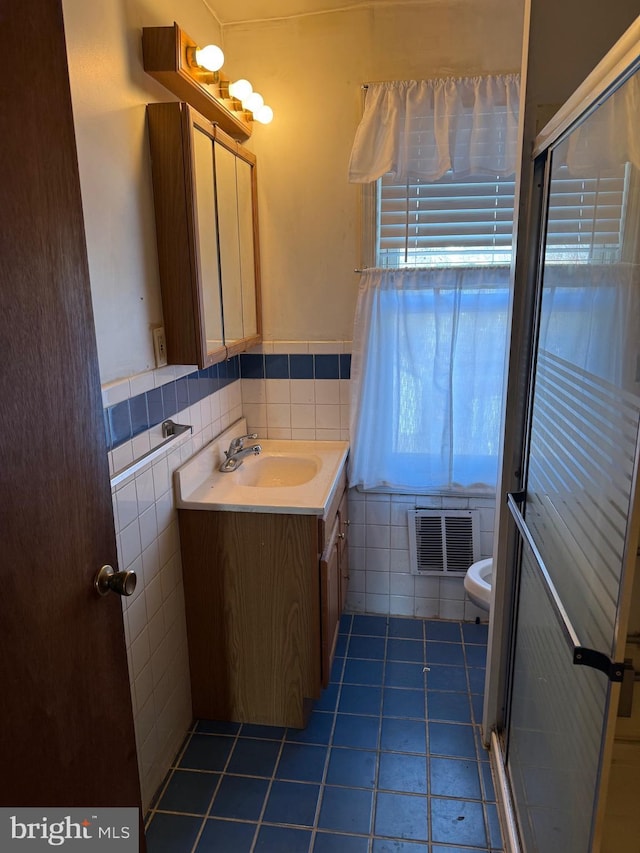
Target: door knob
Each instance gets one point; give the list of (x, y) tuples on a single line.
[(108, 580)]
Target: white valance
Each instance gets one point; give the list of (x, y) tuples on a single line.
[(421, 129)]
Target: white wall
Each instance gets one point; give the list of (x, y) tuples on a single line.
[(310, 70), (110, 90)]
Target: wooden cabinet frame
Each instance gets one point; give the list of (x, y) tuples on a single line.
[(171, 129)]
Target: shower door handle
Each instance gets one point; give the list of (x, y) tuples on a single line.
[(582, 655)]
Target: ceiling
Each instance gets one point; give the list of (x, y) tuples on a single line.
[(238, 11)]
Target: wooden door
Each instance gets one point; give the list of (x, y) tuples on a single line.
[(67, 734)]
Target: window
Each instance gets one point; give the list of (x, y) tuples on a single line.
[(430, 330), (455, 222), (447, 222)]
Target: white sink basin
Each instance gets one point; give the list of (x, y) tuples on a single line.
[(277, 470), (298, 477)]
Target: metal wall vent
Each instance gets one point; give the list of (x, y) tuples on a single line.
[(443, 542)]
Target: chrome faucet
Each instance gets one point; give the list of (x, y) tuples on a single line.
[(234, 455)]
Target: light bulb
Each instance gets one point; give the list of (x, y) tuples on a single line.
[(253, 102), (241, 89), (210, 57), (263, 114)]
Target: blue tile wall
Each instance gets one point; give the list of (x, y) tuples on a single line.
[(252, 365), (119, 422), (276, 366), (129, 418), (301, 367), (327, 366), (295, 366)]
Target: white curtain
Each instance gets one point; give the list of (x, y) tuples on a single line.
[(591, 319), (427, 377), (421, 129)]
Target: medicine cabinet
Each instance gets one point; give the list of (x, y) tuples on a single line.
[(204, 186)]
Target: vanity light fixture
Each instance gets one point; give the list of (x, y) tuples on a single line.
[(193, 75), (241, 90), (210, 57), (253, 102), (263, 114)]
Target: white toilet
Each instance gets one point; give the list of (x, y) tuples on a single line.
[(477, 583)]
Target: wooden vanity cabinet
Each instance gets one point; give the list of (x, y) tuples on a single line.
[(263, 607)]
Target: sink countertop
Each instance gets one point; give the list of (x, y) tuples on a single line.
[(200, 485)]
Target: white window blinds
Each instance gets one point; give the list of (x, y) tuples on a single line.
[(444, 223), (586, 216), (453, 222)]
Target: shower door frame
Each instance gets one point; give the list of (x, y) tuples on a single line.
[(619, 64)]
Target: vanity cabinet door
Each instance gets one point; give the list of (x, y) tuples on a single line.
[(343, 552), (330, 600), (253, 615)]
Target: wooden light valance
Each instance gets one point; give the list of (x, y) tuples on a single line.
[(164, 54)]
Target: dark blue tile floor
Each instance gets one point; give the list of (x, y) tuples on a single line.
[(391, 759)]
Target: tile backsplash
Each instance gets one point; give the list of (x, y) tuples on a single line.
[(148, 543), (286, 389), (380, 579)]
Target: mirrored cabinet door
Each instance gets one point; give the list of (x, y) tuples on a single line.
[(204, 188), (237, 222), (207, 235), (247, 231), (230, 273)]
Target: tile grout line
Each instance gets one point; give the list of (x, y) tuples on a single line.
[(215, 791), (151, 812), (478, 746), (259, 822), (374, 793), (323, 783), (333, 707)]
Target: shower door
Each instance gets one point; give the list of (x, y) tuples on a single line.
[(576, 517)]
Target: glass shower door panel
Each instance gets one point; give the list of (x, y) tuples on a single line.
[(580, 475), (582, 450), (556, 727), (586, 403)]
